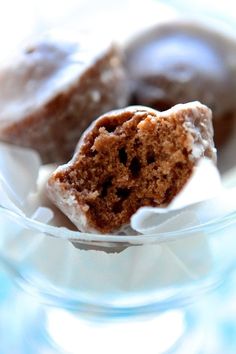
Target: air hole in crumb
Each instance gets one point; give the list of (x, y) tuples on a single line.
[(117, 207), (110, 128), (168, 194), (123, 193), (123, 156), (105, 186), (135, 167), (185, 152), (137, 143), (150, 157), (179, 165), (92, 153)]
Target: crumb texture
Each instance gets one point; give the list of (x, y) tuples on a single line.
[(128, 159)]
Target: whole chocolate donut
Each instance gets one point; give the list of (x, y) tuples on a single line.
[(53, 89), (180, 62)]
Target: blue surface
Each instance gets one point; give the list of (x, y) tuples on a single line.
[(20, 322), (22, 327)]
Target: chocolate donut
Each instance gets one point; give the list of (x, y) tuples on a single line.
[(53, 90), (131, 158), (179, 62)]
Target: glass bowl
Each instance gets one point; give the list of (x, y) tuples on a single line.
[(94, 285), (114, 274)]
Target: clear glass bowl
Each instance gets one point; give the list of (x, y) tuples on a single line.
[(113, 274), (111, 286)]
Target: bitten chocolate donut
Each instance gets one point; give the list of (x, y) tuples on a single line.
[(179, 62), (53, 90), (131, 158)]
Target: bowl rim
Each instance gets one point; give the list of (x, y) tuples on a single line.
[(112, 239)]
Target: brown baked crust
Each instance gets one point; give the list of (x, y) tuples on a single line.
[(131, 158), (54, 127)]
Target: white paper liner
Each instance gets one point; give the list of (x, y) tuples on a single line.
[(55, 263)]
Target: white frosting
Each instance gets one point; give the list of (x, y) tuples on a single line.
[(49, 67), (204, 65)]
